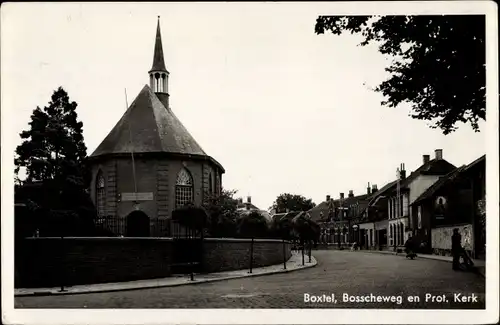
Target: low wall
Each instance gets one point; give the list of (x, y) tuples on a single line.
[(48, 262), (224, 254), (441, 238)]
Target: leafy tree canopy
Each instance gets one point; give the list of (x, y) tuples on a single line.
[(221, 209), (438, 67), (292, 202), (53, 149), (253, 225)]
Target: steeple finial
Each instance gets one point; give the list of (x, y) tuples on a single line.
[(158, 61)]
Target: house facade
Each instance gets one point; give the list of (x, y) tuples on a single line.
[(452, 202)]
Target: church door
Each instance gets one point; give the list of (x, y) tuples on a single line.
[(137, 224)]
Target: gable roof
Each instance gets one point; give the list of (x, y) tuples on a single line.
[(148, 126), (432, 167), (323, 207), (447, 179)]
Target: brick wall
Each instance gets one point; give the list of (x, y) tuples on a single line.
[(152, 175), (44, 262), (234, 254)]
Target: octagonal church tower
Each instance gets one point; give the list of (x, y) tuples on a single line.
[(148, 165)]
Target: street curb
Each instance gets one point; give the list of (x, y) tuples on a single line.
[(477, 269), (313, 263)]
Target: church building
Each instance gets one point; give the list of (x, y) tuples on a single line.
[(148, 165)]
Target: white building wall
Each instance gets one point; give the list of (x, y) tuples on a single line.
[(419, 185)]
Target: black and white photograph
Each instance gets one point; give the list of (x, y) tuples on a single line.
[(250, 163)]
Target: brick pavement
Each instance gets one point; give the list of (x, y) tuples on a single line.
[(338, 272)]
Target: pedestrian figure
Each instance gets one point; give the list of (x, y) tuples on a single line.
[(459, 252), (456, 248), (410, 248)]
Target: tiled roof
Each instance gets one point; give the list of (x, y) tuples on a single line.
[(447, 179), (476, 162), (147, 126), (432, 167)]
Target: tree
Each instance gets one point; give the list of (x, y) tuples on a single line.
[(54, 155), (438, 63), (292, 202), (252, 225), (53, 148), (221, 209)]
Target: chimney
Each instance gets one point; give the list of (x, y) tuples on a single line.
[(327, 198), (351, 193), (249, 199), (368, 189), (439, 154), (427, 158), (240, 201), (402, 172), (374, 188), (341, 196)]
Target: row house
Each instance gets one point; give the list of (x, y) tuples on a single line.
[(338, 218), (386, 223), (373, 221), (456, 200)]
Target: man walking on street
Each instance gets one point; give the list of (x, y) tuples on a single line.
[(456, 248)]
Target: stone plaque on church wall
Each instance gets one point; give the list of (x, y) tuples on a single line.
[(144, 196)]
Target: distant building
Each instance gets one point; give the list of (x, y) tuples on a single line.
[(148, 165), (338, 218), (244, 208)]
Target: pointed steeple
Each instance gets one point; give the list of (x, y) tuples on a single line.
[(158, 75), (158, 60)]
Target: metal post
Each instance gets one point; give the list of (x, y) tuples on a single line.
[(284, 255), (251, 256)]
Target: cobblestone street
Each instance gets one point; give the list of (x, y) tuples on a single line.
[(338, 272)]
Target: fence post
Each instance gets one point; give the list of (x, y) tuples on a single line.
[(62, 265), (251, 256), (284, 254)]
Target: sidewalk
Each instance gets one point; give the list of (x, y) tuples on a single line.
[(479, 264), (293, 264)]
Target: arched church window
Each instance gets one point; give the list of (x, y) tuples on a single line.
[(183, 188), (100, 195)]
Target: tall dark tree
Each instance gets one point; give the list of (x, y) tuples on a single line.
[(292, 202), (438, 63), (53, 149), (54, 156)]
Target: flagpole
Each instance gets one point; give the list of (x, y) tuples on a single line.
[(131, 151)]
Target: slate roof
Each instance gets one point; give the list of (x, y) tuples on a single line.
[(148, 126)]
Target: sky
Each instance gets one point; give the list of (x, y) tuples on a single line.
[(282, 109)]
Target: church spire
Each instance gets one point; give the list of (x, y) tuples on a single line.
[(158, 75), (158, 61)]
